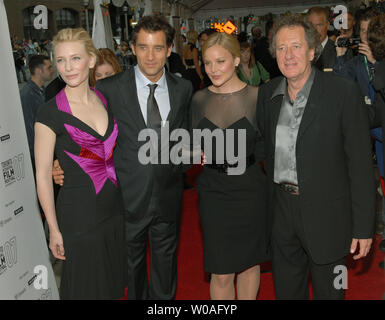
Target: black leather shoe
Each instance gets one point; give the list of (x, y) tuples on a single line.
[(382, 264), (382, 245)]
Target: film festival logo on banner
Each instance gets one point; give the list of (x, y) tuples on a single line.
[(8, 255), (16, 212), (4, 222), (5, 138), (13, 169), (8, 220), (46, 295)]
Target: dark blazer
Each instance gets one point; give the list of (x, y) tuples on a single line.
[(334, 166), (377, 110), (136, 179), (328, 56), (176, 64)]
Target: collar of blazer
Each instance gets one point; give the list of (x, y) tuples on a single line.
[(128, 88), (315, 101)]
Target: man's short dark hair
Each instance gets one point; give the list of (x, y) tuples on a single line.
[(296, 20), (207, 32), (376, 37), (36, 61), (152, 24)]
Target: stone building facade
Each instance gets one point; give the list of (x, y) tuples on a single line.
[(71, 13), (61, 14)]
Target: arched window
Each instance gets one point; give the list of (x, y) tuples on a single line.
[(66, 18), (29, 31)]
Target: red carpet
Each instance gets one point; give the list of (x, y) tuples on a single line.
[(366, 281)]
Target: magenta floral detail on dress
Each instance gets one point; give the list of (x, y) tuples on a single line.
[(95, 156)]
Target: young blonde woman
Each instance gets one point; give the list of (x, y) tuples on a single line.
[(232, 208), (191, 61), (86, 227)]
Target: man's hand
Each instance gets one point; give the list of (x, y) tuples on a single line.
[(364, 49), (365, 245), (340, 50), (57, 173), (203, 158)]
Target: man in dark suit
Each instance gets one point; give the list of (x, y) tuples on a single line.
[(319, 17), (152, 193), (318, 163)]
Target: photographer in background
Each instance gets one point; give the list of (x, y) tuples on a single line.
[(349, 32), (346, 44), (356, 67), (376, 41)]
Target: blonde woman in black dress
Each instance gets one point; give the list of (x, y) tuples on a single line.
[(86, 226), (232, 208)]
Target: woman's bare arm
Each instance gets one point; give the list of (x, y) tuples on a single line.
[(45, 140)]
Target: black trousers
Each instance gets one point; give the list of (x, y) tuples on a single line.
[(162, 237), (292, 262)]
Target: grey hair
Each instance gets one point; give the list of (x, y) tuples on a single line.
[(296, 20)]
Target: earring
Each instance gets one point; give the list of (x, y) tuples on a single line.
[(60, 77)]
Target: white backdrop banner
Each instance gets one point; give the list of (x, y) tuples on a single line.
[(25, 269), (102, 31)]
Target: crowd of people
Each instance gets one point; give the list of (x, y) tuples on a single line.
[(305, 200)]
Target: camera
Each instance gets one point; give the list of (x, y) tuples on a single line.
[(345, 42)]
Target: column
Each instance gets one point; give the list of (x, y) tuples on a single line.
[(176, 23)]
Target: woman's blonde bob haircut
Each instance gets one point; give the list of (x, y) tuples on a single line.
[(79, 35), (226, 41)]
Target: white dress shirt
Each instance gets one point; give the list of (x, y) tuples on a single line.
[(324, 42), (161, 94)]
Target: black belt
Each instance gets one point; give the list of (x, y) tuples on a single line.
[(289, 188), (250, 160)]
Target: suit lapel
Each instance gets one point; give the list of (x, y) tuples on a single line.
[(275, 107), (313, 104), (173, 96), (130, 95)]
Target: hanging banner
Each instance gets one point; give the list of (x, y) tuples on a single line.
[(25, 268), (102, 31)]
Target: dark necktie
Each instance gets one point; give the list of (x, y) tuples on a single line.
[(154, 119)]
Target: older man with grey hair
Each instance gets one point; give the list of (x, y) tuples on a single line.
[(318, 163), (319, 17)]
